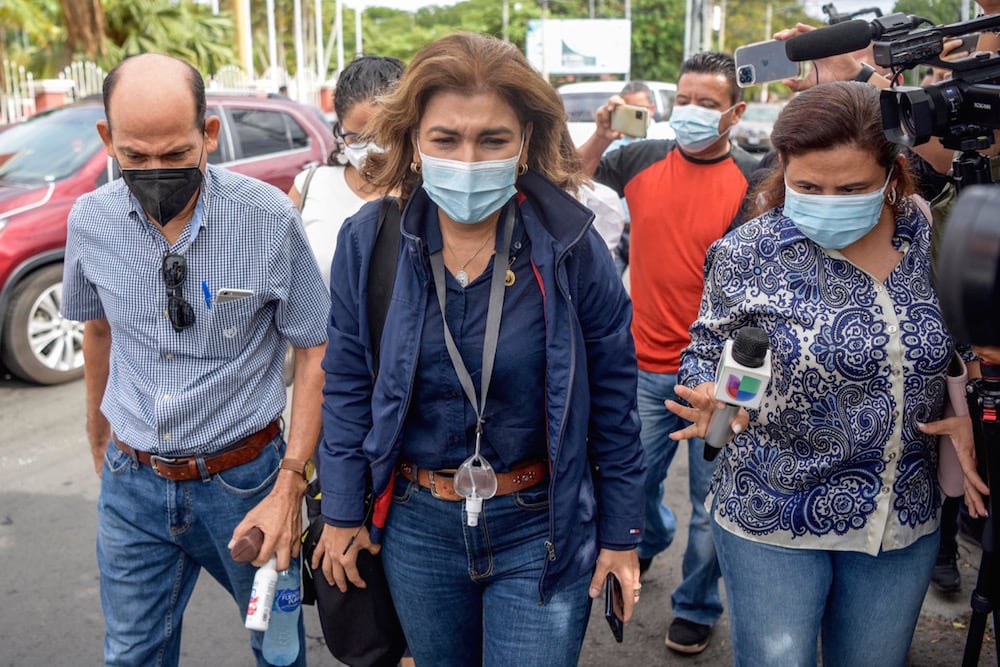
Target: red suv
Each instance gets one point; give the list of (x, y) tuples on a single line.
[(54, 157)]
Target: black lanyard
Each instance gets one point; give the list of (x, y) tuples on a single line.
[(493, 314)]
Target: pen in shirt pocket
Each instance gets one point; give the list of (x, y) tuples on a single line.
[(208, 294)]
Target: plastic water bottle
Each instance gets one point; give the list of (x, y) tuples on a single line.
[(281, 641), (261, 597)]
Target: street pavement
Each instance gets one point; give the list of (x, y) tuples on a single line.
[(50, 612)]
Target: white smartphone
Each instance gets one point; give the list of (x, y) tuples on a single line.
[(225, 295), (630, 120), (763, 62)]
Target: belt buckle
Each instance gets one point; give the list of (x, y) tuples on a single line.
[(155, 459), (432, 484)]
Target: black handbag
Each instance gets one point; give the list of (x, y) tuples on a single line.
[(360, 627)]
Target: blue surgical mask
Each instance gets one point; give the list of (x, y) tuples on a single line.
[(696, 127), (835, 221), (468, 192)]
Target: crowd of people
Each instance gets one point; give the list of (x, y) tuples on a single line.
[(501, 435)]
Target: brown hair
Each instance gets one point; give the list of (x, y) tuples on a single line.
[(843, 113), (471, 64)]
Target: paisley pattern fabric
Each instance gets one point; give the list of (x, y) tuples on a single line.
[(833, 458)]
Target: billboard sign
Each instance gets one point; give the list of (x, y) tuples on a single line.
[(579, 46)]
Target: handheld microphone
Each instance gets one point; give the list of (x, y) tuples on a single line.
[(740, 381), (846, 37)]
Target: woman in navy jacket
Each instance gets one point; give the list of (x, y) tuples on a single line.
[(476, 143)]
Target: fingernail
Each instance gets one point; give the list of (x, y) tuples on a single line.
[(231, 544), (594, 592), (921, 424), (737, 429)]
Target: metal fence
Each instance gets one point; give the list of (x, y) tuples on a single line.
[(87, 78), (17, 97)]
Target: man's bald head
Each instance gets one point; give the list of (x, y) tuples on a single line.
[(159, 75)]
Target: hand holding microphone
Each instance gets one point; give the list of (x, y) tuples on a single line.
[(740, 381)]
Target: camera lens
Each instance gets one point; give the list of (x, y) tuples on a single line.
[(745, 74), (638, 115)]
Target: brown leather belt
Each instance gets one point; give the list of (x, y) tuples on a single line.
[(521, 476), (182, 468)]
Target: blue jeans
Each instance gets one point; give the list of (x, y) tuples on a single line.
[(153, 538), (470, 595), (864, 607), (697, 598)]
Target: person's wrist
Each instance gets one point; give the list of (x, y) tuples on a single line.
[(865, 74), (303, 468)]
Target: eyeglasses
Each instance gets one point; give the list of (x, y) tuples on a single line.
[(174, 274), (353, 139)]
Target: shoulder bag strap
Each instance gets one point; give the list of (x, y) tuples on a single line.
[(382, 272), (305, 186)]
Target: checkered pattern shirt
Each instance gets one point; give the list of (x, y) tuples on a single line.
[(213, 384)]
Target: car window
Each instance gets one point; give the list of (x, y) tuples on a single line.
[(666, 104), (50, 146), (580, 106), (224, 148), (761, 113), (261, 132)]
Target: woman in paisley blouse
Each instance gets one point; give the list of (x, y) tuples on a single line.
[(826, 504)]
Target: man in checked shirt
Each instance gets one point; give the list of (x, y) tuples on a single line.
[(191, 280)]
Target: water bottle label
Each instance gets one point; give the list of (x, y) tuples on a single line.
[(287, 599)]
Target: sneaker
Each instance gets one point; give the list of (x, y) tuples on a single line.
[(644, 564), (687, 636), (945, 577)]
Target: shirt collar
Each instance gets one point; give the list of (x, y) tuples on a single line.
[(197, 221)]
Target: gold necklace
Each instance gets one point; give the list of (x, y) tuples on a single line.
[(461, 276)]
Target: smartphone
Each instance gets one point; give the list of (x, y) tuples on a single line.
[(969, 42), (614, 607), (763, 62), (226, 294), (630, 120)]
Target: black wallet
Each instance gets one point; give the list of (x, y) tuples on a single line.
[(614, 606)]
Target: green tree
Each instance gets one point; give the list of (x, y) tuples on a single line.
[(938, 11), (31, 35), (177, 27)]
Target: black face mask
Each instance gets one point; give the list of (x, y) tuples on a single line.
[(163, 193)]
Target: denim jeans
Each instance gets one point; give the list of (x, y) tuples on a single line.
[(697, 598), (470, 595), (153, 538), (781, 599)]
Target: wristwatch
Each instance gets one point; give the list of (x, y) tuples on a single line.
[(865, 74), (304, 468)]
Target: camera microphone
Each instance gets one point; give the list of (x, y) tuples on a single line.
[(846, 37), (832, 41), (740, 381)]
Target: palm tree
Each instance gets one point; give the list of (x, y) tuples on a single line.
[(30, 33), (176, 27), (84, 22)]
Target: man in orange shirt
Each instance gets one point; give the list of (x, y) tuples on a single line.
[(682, 196)]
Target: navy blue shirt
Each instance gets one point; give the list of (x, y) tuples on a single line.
[(440, 428)]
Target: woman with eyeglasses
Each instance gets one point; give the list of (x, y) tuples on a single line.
[(329, 194), (825, 506), (500, 436)]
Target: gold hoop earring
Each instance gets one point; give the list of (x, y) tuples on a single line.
[(522, 169), (892, 197), (415, 167)]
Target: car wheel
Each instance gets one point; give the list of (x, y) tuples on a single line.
[(39, 344)]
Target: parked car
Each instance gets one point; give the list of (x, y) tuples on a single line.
[(582, 99), (753, 132), (52, 158)]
